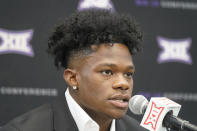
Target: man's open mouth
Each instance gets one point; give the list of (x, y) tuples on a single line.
[(120, 101)]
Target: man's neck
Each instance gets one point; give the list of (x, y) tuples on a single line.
[(101, 119)]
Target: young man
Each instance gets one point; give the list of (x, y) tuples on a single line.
[(95, 48)]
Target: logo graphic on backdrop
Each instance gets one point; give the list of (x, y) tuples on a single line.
[(28, 91), (176, 96), (174, 50), (16, 42), (153, 3), (102, 4), (173, 4)]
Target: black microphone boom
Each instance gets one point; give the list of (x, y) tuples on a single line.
[(175, 123)]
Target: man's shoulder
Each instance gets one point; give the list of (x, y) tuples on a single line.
[(130, 123), (37, 119)]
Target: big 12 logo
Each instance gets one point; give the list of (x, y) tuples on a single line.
[(157, 109)]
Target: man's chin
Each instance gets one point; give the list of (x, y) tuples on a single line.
[(118, 114)]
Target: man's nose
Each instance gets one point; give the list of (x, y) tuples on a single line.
[(121, 83)]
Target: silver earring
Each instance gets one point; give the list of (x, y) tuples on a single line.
[(74, 87)]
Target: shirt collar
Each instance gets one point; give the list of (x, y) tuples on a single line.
[(83, 120)]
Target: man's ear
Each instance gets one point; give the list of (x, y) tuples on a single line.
[(70, 76)]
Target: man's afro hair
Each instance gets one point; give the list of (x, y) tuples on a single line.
[(92, 27)]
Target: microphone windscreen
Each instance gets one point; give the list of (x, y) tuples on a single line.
[(138, 104)]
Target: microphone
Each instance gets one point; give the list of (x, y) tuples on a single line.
[(160, 114)]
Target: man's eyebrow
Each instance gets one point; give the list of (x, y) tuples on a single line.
[(107, 64), (132, 67), (114, 65)]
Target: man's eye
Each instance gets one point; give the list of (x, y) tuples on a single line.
[(106, 72), (129, 74)]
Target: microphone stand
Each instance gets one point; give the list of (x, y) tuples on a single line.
[(177, 124)]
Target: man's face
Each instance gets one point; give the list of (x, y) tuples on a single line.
[(105, 81)]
